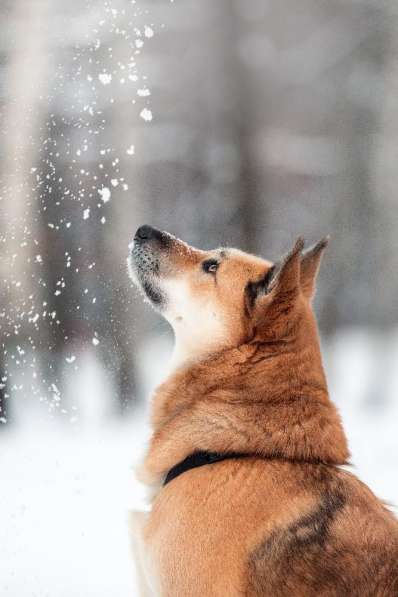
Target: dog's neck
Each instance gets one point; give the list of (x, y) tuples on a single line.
[(188, 353), (266, 399)]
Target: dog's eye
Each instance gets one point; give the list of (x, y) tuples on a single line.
[(210, 266)]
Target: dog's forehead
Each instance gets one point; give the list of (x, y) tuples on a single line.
[(240, 258)]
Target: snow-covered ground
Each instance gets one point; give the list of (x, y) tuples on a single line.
[(63, 502), (66, 489)]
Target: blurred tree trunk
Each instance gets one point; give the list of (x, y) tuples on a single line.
[(385, 182), (252, 185), (205, 171), (382, 253), (353, 294), (27, 69)]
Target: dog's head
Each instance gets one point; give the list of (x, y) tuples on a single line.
[(222, 298)]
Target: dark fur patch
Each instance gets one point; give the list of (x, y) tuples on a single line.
[(294, 556), (310, 530), (313, 528)]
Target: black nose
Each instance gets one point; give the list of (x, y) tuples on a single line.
[(147, 233)]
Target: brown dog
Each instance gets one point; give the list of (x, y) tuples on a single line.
[(247, 439)]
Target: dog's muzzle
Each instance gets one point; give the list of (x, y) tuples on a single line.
[(144, 261)]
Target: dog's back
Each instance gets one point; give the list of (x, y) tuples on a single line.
[(271, 529)]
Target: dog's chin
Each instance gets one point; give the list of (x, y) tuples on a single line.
[(147, 282)]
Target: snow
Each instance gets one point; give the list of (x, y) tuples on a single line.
[(105, 78), (143, 92), (148, 31), (67, 489), (105, 194), (64, 507), (146, 115)]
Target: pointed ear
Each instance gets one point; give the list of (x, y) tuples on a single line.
[(286, 281), (310, 262), (280, 284)]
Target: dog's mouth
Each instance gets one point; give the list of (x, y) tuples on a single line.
[(144, 263)]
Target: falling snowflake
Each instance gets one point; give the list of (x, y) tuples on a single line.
[(144, 92), (105, 194), (56, 393), (105, 78), (146, 115), (130, 150)]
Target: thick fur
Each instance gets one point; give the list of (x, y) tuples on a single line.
[(287, 520)]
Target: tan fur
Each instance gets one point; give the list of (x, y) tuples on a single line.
[(287, 520)]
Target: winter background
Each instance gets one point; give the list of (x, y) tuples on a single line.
[(227, 123)]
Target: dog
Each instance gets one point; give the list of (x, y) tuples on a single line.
[(245, 460)]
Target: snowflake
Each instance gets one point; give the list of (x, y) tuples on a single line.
[(146, 115), (105, 194), (105, 78)]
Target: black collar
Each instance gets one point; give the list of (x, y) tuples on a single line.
[(199, 459)]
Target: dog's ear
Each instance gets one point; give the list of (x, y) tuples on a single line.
[(310, 263), (280, 285), (286, 283)]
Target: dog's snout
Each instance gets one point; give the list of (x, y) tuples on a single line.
[(146, 232)]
